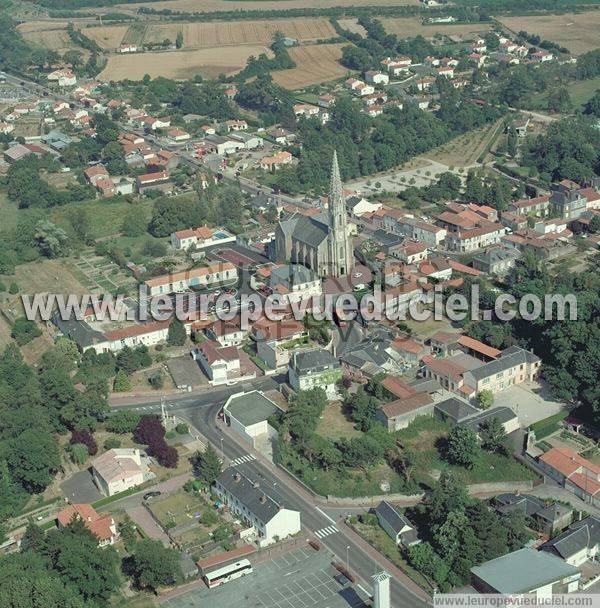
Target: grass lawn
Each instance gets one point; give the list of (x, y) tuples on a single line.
[(334, 424), (178, 508), (426, 434), (106, 217), (583, 90), (377, 538)]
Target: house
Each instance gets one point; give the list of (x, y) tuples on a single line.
[(445, 72), (514, 366), (505, 416), (358, 206), (409, 350), (568, 199), (294, 282), (275, 162), (425, 83), (149, 122), (118, 470), (454, 411), (246, 499), (177, 135), (248, 415), (152, 180), (575, 473), (6, 128), (540, 206), (551, 517), (526, 571), (578, 544), (396, 66), (206, 276), (376, 77), (316, 368), (274, 338), (497, 261), (305, 109), (128, 48), (541, 56), (200, 238), (399, 414), (397, 526), (227, 332), (95, 173), (17, 152), (64, 78), (219, 363), (106, 187), (103, 527), (485, 235), (236, 125)]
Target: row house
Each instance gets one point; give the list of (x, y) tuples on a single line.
[(540, 206), (212, 274), (477, 238)]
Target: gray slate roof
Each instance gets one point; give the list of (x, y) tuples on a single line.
[(249, 493), (292, 274), (504, 414), (581, 534), (523, 570), (384, 510), (310, 230), (524, 503), (456, 409), (509, 358), (313, 360), (251, 408)]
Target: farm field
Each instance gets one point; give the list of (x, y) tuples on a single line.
[(352, 25), (49, 35), (314, 64), (576, 31), (180, 64), (108, 36), (209, 6), (235, 33), (412, 26)]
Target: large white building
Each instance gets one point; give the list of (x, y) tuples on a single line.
[(206, 276), (249, 501)]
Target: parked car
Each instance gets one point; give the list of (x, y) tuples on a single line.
[(152, 494)]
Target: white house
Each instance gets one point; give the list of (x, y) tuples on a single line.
[(248, 500), (376, 77), (200, 238), (219, 363), (128, 48), (203, 277), (118, 470)]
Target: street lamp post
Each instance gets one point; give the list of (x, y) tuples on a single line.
[(348, 557)]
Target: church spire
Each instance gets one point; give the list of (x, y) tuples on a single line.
[(335, 186)]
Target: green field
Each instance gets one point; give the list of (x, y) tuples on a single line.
[(584, 90)]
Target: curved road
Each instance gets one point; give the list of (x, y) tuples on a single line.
[(201, 410)]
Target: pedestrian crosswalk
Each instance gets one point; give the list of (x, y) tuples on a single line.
[(323, 532), (242, 459)]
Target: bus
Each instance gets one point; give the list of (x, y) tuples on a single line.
[(225, 574)]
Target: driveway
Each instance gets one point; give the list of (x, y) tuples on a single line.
[(80, 488), (529, 401)]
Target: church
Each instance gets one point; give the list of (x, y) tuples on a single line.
[(322, 243)]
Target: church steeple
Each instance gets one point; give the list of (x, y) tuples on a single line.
[(335, 185)]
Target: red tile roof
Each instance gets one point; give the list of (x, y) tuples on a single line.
[(404, 406), (479, 347)]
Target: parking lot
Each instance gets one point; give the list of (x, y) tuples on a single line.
[(302, 578)]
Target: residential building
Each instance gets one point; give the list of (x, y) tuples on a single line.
[(294, 283), (575, 473), (376, 77), (227, 332), (118, 470), (526, 571), (200, 238), (219, 363), (568, 199), (246, 499), (152, 180), (578, 544), (397, 526), (497, 261), (476, 238), (541, 56), (128, 48), (396, 66), (550, 517), (177, 135), (358, 206), (103, 527), (315, 368), (504, 415), (514, 366), (276, 161), (197, 278)]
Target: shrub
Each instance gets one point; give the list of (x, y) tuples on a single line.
[(112, 443), (85, 438), (182, 428)]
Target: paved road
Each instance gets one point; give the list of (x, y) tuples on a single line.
[(201, 411)]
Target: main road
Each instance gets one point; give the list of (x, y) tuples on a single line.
[(201, 411)]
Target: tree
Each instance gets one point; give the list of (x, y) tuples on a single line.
[(592, 107), (79, 453), (176, 336), (33, 538), (53, 242), (86, 438), (559, 100), (33, 458), (74, 554), (122, 383), (462, 448), (24, 331), (512, 143), (179, 40), (165, 455), (485, 399), (405, 459), (207, 465), (80, 222), (153, 565), (493, 435), (149, 430), (427, 561)]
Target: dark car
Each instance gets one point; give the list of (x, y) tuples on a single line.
[(152, 494)]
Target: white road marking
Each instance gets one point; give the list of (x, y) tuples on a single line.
[(325, 515), (323, 532)]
